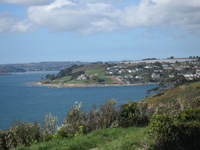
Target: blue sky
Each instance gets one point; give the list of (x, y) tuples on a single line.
[(98, 30)]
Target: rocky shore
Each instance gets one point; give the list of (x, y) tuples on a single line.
[(63, 85)]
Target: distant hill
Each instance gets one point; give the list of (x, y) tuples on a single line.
[(40, 66), (124, 73)]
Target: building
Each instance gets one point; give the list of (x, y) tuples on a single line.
[(155, 76), (83, 77)]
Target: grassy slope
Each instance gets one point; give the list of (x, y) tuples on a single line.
[(107, 139), (91, 69), (183, 97)]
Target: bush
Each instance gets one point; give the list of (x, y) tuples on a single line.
[(20, 133), (93, 120), (75, 118), (109, 114), (48, 137), (187, 136), (170, 133), (162, 128), (131, 114), (190, 115)]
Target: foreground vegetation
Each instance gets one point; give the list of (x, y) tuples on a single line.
[(167, 120), (105, 139)]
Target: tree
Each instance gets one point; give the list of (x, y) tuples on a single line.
[(50, 77), (158, 64), (97, 79)]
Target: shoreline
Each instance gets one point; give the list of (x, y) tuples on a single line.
[(65, 85)]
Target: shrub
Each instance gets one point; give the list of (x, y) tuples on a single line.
[(26, 133), (20, 133), (161, 128), (93, 120), (187, 136), (170, 134), (190, 115), (132, 114), (109, 114), (62, 133), (49, 124), (74, 119), (48, 137)]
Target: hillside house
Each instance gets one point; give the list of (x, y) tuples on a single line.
[(122, 71), (155, 76), (83, 77), (131, 71), (171, 75), (139, 77), (198, 72), (148, 67), (110, 71)]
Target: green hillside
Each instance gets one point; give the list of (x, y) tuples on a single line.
[(174, 100), (122, 73)]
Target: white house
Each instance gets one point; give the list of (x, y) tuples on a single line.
[(155, 76), (83, 77), (139, 77)]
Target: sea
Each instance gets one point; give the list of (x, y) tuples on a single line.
[(20, 100)]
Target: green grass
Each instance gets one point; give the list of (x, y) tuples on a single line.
[(64, 78), (105, 139), (96, 70), (195, 84)]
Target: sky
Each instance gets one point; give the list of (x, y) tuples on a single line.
[(98, 30)]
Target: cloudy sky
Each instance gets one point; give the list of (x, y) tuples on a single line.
[(98, 30)]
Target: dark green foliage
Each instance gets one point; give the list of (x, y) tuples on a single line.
[(93, 119), (76, 74), (162, 129), (48, 137), (158, 64), (109, 114), (20, 133), (190, 115), (51, 77), (97, 79), (171, 133), (131, 114), (66, 71), (62, 133), (187, 136)]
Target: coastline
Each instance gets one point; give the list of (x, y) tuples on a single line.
[(65, 85)]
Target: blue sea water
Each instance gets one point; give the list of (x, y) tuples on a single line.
[(20, 100)]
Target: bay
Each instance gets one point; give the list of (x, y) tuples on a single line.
[(21, 101)]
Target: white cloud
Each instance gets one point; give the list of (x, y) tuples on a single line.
[(12, 24), (90, 16), (63, 15), (66, 15), (27, 2)]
